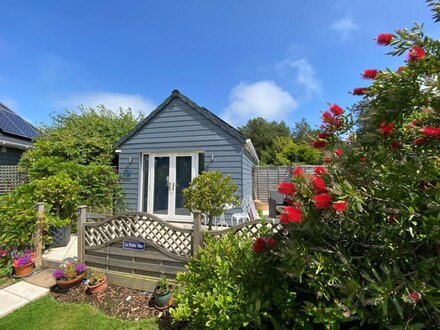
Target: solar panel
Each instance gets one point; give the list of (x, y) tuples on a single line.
[(13, 124), (23, 126)]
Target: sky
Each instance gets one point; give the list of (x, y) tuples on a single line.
[(280, 60)]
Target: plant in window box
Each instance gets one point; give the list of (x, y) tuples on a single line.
[(163, 292), (69, 275), (23, 264), (97, 283)]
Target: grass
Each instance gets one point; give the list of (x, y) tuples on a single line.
[(46, 313)]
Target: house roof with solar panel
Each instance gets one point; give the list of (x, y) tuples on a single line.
[(16, 135)]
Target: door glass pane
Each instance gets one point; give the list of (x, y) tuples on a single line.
[(183, 178), (161, 179), (145, 187)]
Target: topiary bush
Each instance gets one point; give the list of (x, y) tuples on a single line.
[(209, 192)]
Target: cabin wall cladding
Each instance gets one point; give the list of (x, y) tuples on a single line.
[(163, 248)]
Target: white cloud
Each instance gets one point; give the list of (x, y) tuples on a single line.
[(260, 99), (304, 75), (344, 27), (112, 101)]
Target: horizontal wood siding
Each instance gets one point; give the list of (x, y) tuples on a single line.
[(248, 166), (9, 156), (179, 128)]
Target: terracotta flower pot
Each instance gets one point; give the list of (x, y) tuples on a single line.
[(70, 283), (24, 270), (98, 288)]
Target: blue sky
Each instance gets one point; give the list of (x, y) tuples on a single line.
[(240, 59)]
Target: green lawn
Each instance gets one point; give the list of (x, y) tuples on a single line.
[(48, 314)]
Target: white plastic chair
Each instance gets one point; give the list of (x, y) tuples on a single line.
[(243, 216)]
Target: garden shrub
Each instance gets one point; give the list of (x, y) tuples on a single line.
[(209, 193), (361, 242), (17, 225), (223, 287)]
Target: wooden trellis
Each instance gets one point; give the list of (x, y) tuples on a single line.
[(165, 248), (10, 177)]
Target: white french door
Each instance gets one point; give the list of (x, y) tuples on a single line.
[(164, 177)]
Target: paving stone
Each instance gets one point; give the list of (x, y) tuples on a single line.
[(10, 302), (26, 290), (43, 278)]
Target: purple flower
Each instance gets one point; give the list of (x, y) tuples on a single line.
[(58, 274), (24, 260), (80, 268), (3, 253)]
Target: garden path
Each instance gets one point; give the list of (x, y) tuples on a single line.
[(15, 296)]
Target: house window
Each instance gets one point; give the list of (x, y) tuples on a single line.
[(145, 164), (201, 162)]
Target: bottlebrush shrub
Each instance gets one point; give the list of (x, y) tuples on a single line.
[(225, 286), (366, 253)]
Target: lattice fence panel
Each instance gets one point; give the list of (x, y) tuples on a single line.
[(10, 177), (250, 229), (139, 226)]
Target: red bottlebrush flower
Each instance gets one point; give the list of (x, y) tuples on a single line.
[(336, 110), (419, 141), (258, 246), (370, 74), (327, 159), (319, 144), (324, 135), (322, 201), (416, 53), (359, 91), (338, 152), (384, 39), (286, 188), (395, 145), (386, 129), (292, 214), (320, 170), (362, 159), (401, 68), (298, 172), (415, 296), (430, 131), (340, 206), (270, 242), (327, 117), (319, 184)]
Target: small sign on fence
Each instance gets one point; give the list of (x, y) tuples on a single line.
[(133, 245)]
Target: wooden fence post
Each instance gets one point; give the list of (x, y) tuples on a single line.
[(82, 217), (39, 228), (197, 228)]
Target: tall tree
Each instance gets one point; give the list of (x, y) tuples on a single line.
[(263, 133), (303, 132)]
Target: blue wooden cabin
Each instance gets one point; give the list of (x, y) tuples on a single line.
[(171, 146)]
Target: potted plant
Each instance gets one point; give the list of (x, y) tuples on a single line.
[(22, 264), (60, 230), (69, 275), (163, 292), (97, 283)]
